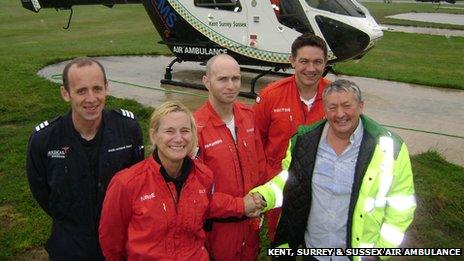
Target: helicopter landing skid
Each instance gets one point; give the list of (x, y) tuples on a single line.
[(251, 94)]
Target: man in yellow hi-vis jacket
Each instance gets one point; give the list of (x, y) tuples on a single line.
[(345, 184)]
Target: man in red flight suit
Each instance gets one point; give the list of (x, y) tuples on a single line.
[(284, 105), (230, 145)]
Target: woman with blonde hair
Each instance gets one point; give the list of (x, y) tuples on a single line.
[(155, 210)]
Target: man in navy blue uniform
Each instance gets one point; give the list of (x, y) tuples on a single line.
[(72, 158)]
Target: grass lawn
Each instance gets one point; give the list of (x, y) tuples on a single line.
[(415, 58), (439, 220), (30, 41)]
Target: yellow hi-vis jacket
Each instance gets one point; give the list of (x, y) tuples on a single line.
[(382, 203)]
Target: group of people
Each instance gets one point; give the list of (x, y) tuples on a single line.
[(326, 175)]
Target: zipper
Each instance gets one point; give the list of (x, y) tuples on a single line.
[(172, 197), (235, 150), (240, 163), (304, 109), (167, 227)]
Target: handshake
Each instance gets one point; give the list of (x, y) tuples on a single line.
[(254, 203)]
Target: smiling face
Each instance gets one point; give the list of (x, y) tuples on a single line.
[(342, 111), (309, 63), (86, 94), (173, 138), (223, 80)]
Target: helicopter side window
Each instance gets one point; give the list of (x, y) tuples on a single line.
[(343, 7), (229, 5), (292, 15)]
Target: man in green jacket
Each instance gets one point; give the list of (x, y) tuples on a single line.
[(345, 184)]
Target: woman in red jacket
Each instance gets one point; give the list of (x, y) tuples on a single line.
[(155, 210)]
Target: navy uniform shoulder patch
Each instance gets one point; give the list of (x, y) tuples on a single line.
[(44, 124), (126, 113)]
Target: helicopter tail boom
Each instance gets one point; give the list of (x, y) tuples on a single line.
[(36, 5)]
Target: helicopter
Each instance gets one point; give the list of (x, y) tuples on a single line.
[(255, 33)]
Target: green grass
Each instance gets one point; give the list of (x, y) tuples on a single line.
[(439, 218), (30, 41), (380, 11), (415, 58)]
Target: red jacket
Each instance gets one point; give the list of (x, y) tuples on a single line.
[(279, 111), (142, 219), (238, 167)]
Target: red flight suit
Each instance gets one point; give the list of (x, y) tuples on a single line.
[(278, 113), (238, 167), (143, 218)]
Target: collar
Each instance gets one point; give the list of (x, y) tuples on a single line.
[(356, 137), (309, 102), (323, 82), (216, 119), (71, 130), (185, 169)]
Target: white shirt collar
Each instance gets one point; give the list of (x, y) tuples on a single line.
[(309, 102)]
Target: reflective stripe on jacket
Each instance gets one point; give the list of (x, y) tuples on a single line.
[(382, 203)]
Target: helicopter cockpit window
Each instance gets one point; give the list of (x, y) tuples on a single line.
[(292, 15), (343, 7), (229, 5)]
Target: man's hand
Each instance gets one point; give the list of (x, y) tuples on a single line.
[(253, 204), (258, 198)]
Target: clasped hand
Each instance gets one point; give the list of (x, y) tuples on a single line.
[(254, 203)]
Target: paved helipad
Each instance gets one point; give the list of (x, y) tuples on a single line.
[(412, 111), (423, 30), (441, 18)]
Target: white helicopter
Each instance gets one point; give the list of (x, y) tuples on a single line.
[(254, 32)]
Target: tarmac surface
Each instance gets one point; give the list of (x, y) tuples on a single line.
[(441, 18), (423, 30), (425, 117)]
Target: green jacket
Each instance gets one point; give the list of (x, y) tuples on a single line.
[(382, 202)]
